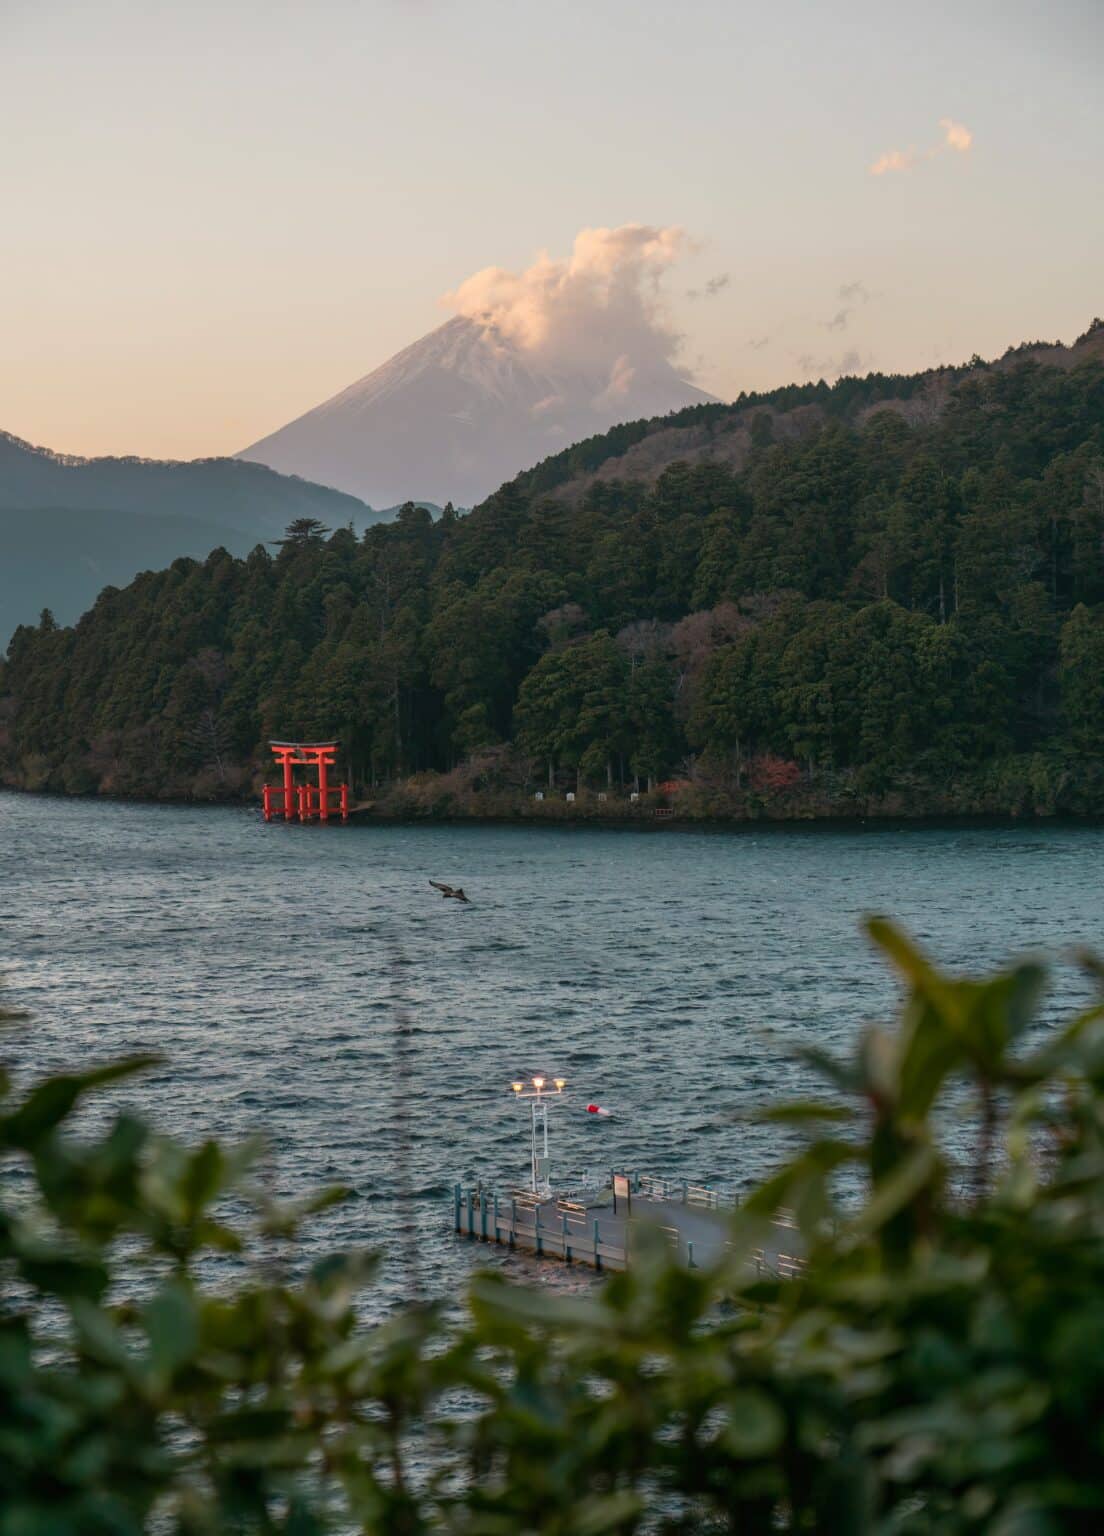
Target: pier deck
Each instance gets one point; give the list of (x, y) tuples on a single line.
[(590, 1231)]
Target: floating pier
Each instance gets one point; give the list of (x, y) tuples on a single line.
[(599, 1220), (596, 1226)]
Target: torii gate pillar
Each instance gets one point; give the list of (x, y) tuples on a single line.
[(304, 799)]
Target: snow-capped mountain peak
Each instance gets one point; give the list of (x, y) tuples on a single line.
[(457, 413)]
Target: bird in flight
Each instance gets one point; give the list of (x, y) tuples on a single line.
[(455, 891)]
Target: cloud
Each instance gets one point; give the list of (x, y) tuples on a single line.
[(598, 311), (956, 136), (712, 288), (757, 343), (854, 294), (849, 362), (620, 382), (893, 160)]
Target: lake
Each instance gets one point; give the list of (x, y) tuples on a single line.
[(307, 982)]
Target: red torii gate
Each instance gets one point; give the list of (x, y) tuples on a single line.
[(305, 800)]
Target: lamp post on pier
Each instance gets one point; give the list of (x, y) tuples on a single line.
[(539, 1096)]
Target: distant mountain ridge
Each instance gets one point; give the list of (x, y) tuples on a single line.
[(70, 526), (457, 413), (244, 496)]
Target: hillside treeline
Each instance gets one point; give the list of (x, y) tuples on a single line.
[(912, 614)]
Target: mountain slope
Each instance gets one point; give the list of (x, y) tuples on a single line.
[(69, 526), (61, 559), (456, 414), (249, 497)]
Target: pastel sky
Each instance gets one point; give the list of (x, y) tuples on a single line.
[(217, 213)]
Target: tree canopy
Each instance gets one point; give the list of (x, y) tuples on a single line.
[(899, 596)]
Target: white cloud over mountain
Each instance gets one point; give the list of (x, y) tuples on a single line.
[(530, 362), (595, 311)]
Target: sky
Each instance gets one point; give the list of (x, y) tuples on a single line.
[(217, 215)]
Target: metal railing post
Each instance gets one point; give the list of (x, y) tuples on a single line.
[(597, 1255), (513, 1220), (566, 1244), (496, 1217), (689, 1254), (471, 1213)]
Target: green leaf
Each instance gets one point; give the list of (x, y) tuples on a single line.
[(494, 1300), (172, 1326), (910, 961), (998, 1012), (607, 1512), (897, 1190), (755, 1425), (52, 1101), (283, 1218), (843, 1075), (55, 1273), (343, 1274), (815, 1163), (932, 1051), (99, 1336), (203, 1177)]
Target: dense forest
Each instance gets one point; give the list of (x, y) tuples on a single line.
[(892, 601)]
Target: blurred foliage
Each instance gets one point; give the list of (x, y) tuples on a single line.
[(938, 1366)]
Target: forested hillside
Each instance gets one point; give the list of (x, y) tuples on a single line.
[(884, 595)]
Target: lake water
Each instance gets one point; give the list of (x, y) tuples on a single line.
[(307, 982)]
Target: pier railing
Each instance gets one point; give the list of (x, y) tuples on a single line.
[(699, 1195), (563, 1228), (523, 1220), (689, 1194)]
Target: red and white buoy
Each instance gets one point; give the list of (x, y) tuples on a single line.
[(596, 1109)]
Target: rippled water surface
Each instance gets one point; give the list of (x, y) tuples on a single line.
[(307, 982)]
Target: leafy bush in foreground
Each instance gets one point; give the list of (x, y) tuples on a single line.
[(938, 1367)]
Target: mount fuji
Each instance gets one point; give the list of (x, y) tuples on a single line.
[(453, 416)]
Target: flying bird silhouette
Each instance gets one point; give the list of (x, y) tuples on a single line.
[(455, 891)]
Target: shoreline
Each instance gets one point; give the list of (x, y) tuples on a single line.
[(644, 821)]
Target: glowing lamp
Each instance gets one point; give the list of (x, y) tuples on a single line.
[(561, 1084), (538, 1083), (517, 1087)]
